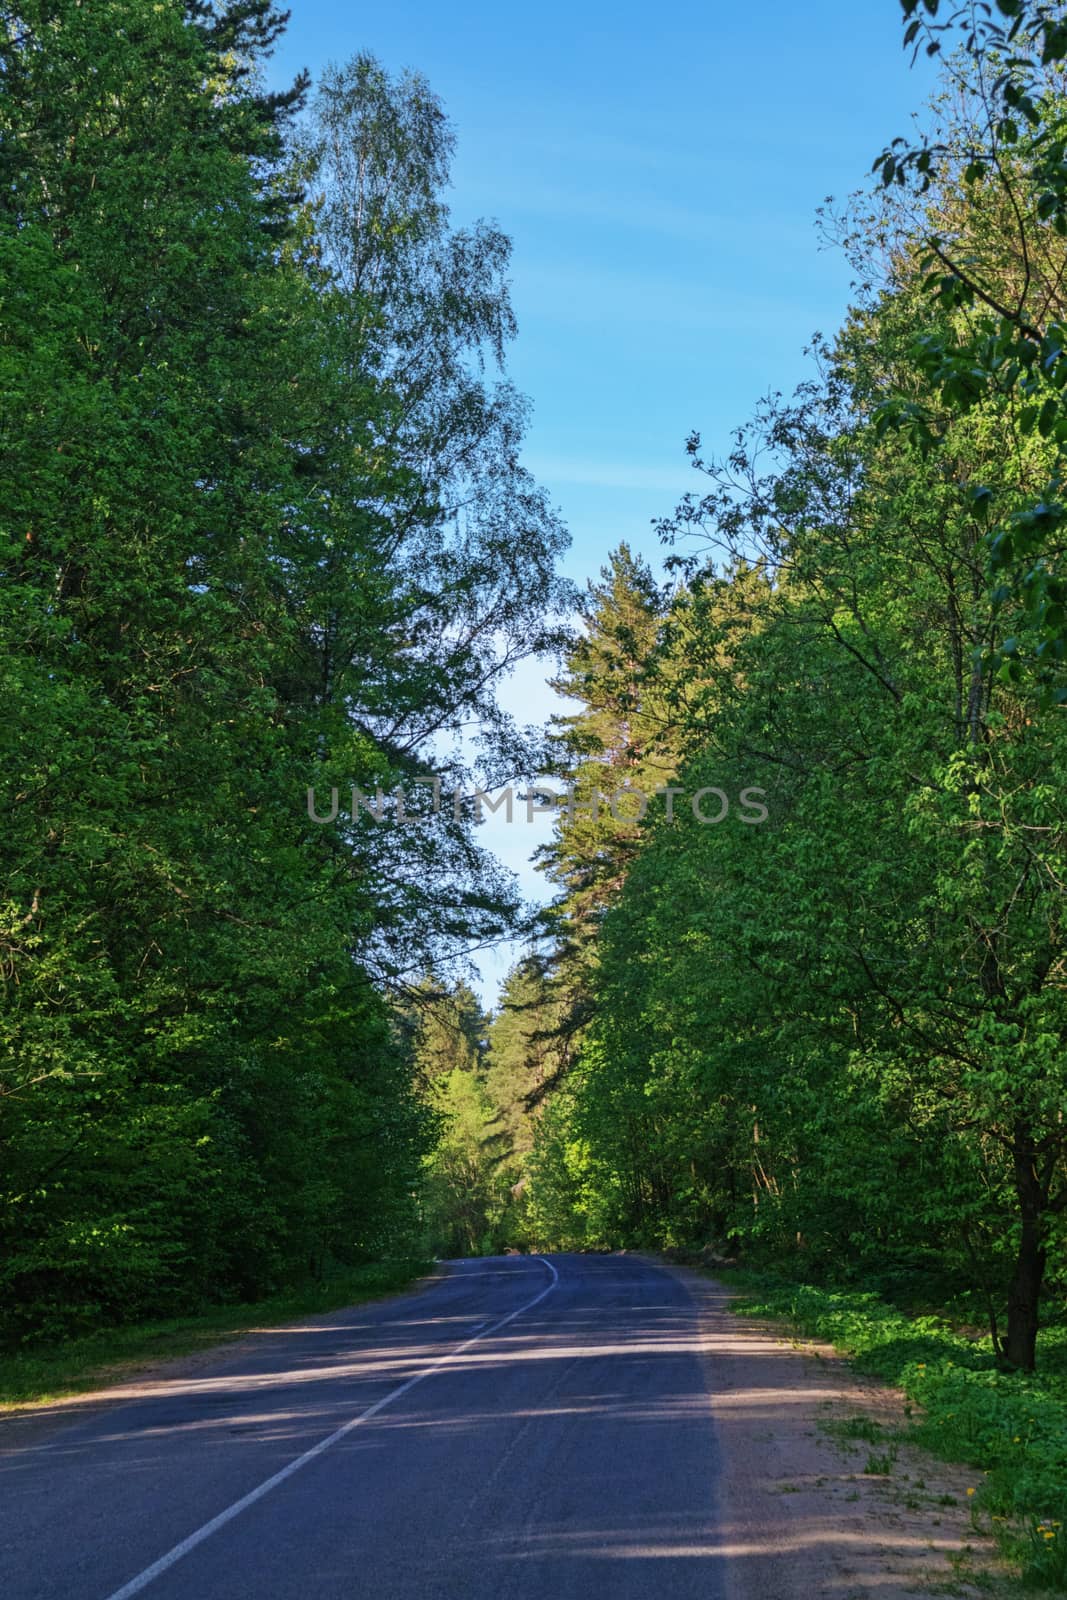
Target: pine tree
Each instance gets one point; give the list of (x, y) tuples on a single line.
[(614, 753), (527, 1054)]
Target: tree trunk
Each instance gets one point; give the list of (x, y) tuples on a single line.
[(1020, 1346)]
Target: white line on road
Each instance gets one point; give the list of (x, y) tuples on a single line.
[(143, 1579)]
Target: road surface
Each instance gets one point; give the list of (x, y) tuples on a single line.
[(526, 1428)]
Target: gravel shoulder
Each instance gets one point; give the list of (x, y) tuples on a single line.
[(801, 1515)]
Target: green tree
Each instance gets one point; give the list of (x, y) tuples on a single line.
[(528, 1052), (845, 1025), (993, 183), (450, 1029), (221, 589), (467, 1180), (466, 1191), (612, 752)]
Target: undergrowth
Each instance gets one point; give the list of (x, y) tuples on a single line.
[(35, 1373)]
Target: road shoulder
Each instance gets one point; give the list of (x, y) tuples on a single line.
[(817, 1497)]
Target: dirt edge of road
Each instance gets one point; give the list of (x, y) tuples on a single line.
[(817, 1496)]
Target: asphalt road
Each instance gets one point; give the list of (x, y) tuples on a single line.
[(526, 1428)]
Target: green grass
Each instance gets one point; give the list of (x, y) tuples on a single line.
[(880, 1466), (37, 1374), (855, 1428), (1010, 1427)]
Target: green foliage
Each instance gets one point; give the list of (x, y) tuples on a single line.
[(841, 1033), (528, 1051), (573, 1200), (994, 188), (265, 532), (612, 752), (881, 1465), (486, 1082), (856, 1428), (90, 1361), (450, 1029), (466, 1190)]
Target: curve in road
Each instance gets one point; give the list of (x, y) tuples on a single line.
[(494, 1435)]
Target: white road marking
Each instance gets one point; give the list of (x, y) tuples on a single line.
[(143, 1579)]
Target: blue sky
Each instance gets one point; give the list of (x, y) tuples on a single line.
[(658, 170)]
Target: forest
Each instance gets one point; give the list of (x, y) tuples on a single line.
[(269, 538)]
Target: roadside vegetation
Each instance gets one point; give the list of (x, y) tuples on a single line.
[(1011, 1428), (40, 1371)]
